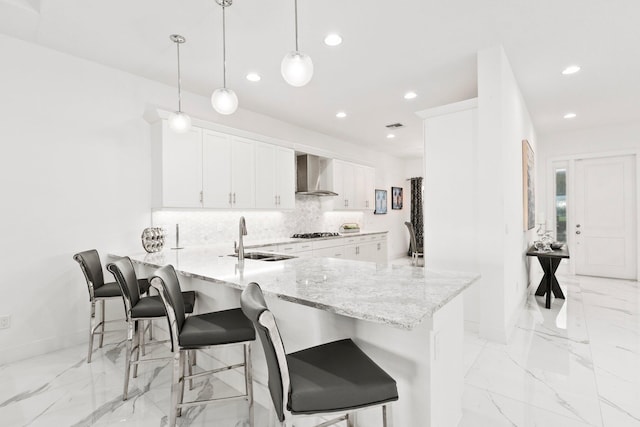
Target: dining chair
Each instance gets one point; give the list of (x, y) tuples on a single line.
[(99, 292), (198, 332), (329, 378), (415, 251)]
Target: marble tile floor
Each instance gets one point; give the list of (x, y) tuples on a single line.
[(577, 364)]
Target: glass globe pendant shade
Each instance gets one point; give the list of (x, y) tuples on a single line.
[(297, 69), (224, 101), (179, 122)]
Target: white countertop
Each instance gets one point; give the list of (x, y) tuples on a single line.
[(400, 296)]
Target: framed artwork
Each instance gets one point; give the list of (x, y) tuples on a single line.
[(381, 202), (396, 197), (528, 186)]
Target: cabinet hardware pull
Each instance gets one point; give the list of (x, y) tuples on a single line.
[(234, 198), (276, 198), (229, 198), (201, 197)]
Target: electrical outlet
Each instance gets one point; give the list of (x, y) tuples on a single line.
[(5, 322)]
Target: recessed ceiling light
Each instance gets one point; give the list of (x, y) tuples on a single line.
[(570, 115), (410, 95), (390, 136), (341, 114), (571, 69), (253, 77), (333, 39)]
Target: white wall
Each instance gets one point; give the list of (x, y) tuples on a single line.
[(503, 122), (75, 175), (450, 193)]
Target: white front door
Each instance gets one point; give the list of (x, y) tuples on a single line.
[(605, 221)]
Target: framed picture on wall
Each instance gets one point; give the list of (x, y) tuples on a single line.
[(381, 202), (528, 186), (396, 197)]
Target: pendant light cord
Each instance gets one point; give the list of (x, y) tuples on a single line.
[(179, 80), (224, 50), (296, 20)]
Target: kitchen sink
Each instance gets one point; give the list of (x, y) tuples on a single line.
[(264, 256)]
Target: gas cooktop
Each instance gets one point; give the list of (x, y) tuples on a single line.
[(314, 235)]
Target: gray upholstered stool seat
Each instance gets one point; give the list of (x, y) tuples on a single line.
[(220, 327), (112, 289), (154, 307), (336, 376)]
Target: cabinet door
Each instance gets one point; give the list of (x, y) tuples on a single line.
[(343, 182), (216, 164), (369, 189), (285, 177), (243, 173), (266, 170), (181, 168)]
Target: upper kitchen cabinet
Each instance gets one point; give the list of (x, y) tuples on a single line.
[(177, 167), (274, 177), (354, 184), (228, 171)]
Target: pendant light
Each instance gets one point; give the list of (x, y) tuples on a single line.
[(296, 67), (224, 100), (179, 122)]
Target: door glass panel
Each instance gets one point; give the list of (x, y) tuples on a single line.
[(561, 204)]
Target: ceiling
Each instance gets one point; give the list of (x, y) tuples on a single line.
[(389, 48)]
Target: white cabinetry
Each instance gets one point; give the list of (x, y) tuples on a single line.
[(275, 177), (367, 248), (354, 184), (204, 168), (228, 171), (178, 167)]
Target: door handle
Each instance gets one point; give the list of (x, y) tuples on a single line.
[(578, 232)]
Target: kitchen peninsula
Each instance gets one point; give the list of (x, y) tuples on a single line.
[(408, 319)]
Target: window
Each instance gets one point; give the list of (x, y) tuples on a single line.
[(560, 204)]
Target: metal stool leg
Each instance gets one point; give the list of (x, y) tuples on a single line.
[(141, 337), (150, 330), (191, 355), (92, 325), (136, 347), (127, 361), (102, 321), (386, 416), (248, 379), (175, 388)]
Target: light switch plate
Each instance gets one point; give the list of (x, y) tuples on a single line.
[(5, 322)]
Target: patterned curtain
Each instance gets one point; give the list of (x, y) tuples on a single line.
[(416, 212)]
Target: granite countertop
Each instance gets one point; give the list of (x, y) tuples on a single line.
[(397, 295)]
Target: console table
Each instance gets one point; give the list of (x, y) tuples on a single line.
[(549, 261)]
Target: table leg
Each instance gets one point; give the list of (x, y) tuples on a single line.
[(549, 283)]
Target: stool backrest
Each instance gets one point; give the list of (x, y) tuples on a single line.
[(412, 237), (165, 280), (255, 308), (92, 268), (126, 278)]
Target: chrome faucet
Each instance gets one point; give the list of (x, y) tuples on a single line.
[(239, 249)]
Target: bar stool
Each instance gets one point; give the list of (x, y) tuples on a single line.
[(137, 310), (416, 252), (197, 332), (99, 291), (332, 377)]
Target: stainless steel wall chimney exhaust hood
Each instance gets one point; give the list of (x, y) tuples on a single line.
[(309, 177)]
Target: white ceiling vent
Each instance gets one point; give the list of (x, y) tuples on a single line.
[(394, 126)]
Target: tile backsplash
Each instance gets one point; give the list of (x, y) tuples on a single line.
[(210, 227)]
